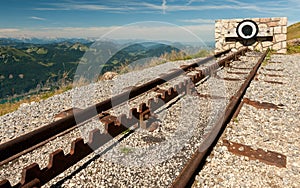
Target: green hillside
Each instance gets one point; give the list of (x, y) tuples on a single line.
[(293, 31), (24, 67), (27, 68)]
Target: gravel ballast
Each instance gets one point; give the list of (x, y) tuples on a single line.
[(273, 130)]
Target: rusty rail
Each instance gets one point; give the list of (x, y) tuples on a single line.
[(58, 162), (212, 137)]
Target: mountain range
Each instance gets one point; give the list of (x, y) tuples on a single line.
[(36, 64)]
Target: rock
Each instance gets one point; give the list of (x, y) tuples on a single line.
[(24, 105), (294, 42), (108, 76)]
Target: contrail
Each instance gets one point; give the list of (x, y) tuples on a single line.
[(164, 6)]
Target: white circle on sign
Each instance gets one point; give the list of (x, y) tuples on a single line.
[(248, 23)]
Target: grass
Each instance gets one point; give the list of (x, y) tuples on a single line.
[(293, 31), (12, 106), (267, 58), (50, 64), (293, 49), (235, 120), (126, 150), (18, 53), (126, 131), (264, 63), (173, 56), (42, 51)]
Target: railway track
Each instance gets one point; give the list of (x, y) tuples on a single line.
[(142, 117)]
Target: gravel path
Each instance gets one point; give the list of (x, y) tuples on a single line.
[(274, 130)]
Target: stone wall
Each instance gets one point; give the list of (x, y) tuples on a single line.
[(268, 27)]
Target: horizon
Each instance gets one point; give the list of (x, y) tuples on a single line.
[(173, 20)]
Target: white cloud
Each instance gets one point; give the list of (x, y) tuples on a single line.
[(198, 21), (95, 7), (82, 6), (8, 30), (144, 31), (192, 1), (37, 18)]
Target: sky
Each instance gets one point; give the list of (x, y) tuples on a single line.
[(160, 19)]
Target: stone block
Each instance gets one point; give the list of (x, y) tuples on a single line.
[(283, 21), (277, 30), (232, 45), (238, 20), (238, 45), (280, 37), (264, 30), (218, 45), (254, 19), (263, 26), (283, 44), (284, 29), (267, 44), (265, 48), (277, 46), (264, 34), (234, 50), (223, 21), (251, 47), (232, 25), (272, 24), (231, 33), (264, 20), (271, 30), (258, 47), (226, 47), (218, 24), (225, 26), (276, 19), (282, 51), (224, 31)]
